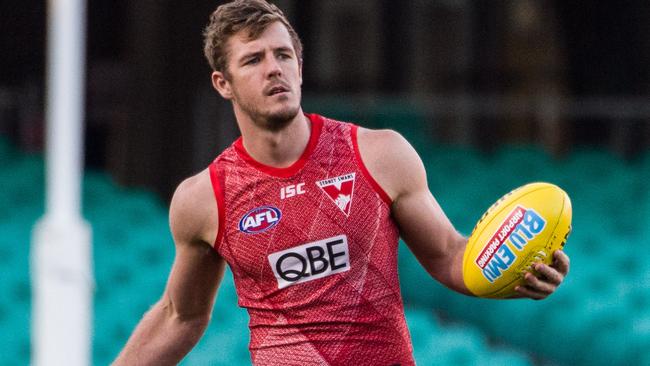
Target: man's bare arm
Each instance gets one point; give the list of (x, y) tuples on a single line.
[(424, 226), (177, 321), (422, 223)]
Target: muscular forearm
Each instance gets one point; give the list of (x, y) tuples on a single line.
[(161, 338), (447, 267), (456, 281)]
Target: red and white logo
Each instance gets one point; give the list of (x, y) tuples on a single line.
[(340, 190)]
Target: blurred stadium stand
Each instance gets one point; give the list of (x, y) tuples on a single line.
[(599, 316), (554, 72), (491, 94)]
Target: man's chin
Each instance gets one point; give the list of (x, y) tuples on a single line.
[(280, 119)]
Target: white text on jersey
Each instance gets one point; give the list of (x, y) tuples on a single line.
[(311, 261), (292, 190)]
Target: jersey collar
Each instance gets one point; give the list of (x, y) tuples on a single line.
[(316, 128)]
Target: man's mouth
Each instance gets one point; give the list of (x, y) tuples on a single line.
[(277, 89)]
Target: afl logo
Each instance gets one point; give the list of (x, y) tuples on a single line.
[(260, 219)]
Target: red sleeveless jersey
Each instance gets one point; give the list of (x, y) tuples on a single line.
[(313, 251)]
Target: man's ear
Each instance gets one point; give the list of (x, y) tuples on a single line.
[(221, 84)]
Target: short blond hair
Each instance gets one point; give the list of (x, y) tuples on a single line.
[(230, 18)]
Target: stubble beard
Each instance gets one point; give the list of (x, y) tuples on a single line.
[(271, 121)]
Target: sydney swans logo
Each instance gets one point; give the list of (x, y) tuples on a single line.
[(340, 190)]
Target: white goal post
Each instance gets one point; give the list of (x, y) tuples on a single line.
[(61, 255)]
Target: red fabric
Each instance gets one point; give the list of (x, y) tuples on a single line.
[(288, 171), (218, 194), (352, 317), (373, 182)]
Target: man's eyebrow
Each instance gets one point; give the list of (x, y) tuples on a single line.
[(260, 53), (284, 49), (250, 54)]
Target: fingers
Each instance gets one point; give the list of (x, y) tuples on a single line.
[(561, 262), (550, 274), (539, 285), (535, 288), (548, 278), (526, 291)]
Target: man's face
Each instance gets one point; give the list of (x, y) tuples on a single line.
[(264, 76)]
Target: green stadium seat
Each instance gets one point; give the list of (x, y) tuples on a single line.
[(642, 356), (563, 331), (606, 345), (422, 326), (602, 307), (455, 345), (103, 353), (16, 340), (639, 335), (520, 164), (502, 357)]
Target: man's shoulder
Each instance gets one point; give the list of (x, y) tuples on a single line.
[(194, 188), (193, 208), (364, 135), (380, 141), (390, 159)]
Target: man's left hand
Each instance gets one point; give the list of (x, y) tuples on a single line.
[(548, 278)]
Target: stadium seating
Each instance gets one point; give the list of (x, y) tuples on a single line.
[(600, 316), (596, 317)]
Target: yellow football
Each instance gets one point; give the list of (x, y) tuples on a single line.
[(523, 227)]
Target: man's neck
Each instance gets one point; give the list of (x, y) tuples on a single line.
[(280, 148)]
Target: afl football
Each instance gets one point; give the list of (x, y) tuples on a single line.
[(522, 228)]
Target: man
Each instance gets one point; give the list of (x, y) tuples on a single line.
[(306, 211)]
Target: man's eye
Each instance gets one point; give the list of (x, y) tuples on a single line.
[(252, 61)]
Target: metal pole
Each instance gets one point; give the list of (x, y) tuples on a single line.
[(61, 255)]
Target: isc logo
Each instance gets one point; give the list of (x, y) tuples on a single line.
[(292, 190), (310, 261), (260, 219)]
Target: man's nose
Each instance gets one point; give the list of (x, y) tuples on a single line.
[(273, 67)]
